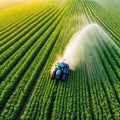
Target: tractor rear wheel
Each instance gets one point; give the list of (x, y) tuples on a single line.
[(64, 77)]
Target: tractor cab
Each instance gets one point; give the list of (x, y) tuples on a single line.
[(60, 66)]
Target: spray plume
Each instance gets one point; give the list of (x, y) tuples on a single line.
[(79, 46)]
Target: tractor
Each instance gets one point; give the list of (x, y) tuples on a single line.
[(60, 71)]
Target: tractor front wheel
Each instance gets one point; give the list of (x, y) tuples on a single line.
[(53, 76)]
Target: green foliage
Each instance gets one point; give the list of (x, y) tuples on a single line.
[(28, 49)]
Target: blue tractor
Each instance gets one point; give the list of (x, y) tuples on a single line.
[(60, 71)]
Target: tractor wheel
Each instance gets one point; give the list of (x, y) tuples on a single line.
[(64, 77), (53, 76)]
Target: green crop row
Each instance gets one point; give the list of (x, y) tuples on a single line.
[(113, 31), (8, 64), (92, 90), (25, 24), (43, 109), (115, 51), (24, 87), (27, 32), (8, 26), (100, 76), (99, 101), (109, 90), (38, 64), (28, 11), (109, 69), (112, 55), (19, 28), (41, 41), (40, 93), (111, 62), (8, 31)]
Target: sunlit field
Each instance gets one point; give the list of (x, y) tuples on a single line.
[(37, 34)]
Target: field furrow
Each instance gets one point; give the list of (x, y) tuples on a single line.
[(14, 59), (24, 25)]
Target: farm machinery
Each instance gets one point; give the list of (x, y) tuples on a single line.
[(60, 71)]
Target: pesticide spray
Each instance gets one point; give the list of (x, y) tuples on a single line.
[(79, 46)]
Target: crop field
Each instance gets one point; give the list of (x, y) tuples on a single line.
[(35, 34)]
